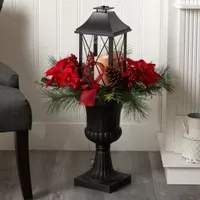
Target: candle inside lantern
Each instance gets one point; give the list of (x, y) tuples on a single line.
[(97, 70), (117, 63)]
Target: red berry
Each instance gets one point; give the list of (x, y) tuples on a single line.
[(82, 80), (75, 87)]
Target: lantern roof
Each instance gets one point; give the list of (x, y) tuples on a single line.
[(103, 22)]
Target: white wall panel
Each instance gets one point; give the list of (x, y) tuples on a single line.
[(133, 19), (150, 30), (49, 41), (68, 27), (86, 9)]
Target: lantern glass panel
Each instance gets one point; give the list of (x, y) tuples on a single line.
[(103, 47), (108, 51), (88, 43)]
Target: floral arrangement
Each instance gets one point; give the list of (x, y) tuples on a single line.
[(67, 85)]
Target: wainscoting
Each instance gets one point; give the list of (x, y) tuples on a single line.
[(32, 30)]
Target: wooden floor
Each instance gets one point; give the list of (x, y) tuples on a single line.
[(53, 173)]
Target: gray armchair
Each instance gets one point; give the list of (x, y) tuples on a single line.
[(16, 116), (1, 3)]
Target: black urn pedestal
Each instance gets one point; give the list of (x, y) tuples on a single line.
[(103, 128)]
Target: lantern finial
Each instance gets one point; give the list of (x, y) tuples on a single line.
[(103, 8)]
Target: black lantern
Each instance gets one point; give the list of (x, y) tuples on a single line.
[(106, 28), (108, 37)]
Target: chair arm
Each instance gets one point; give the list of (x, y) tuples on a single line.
[(8, 77), (1, 4)]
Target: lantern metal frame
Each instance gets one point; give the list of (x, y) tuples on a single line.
[(102, 23)]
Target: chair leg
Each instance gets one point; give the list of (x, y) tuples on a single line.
[(22, 157)]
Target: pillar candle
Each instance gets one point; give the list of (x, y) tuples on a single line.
[(97, 69), (104, 60)]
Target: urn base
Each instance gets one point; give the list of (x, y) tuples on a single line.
[(104, 186)]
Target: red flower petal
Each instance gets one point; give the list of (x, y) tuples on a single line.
[(68, 70), (61, 64), (126, 74), (130, 61), (51, 71), (152, 65), (70, 64)]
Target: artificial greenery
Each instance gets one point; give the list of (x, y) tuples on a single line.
[(134, 100)]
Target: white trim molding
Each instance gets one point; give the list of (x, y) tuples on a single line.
[(188, 5), (164, 13)]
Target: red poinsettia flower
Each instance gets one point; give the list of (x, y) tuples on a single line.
[(146, 72), (64, 73), (140, 71), (71, 79), (130, 72)]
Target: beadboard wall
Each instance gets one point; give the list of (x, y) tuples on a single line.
[(189, 57), (31, 30), (184, 56)]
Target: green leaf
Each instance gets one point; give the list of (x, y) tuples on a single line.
[(44, 79)]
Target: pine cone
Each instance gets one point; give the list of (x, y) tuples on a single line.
[(114, 75)]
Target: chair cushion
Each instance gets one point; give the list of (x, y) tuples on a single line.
[(15, 110)]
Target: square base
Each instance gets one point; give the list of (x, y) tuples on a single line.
[(108, 187)]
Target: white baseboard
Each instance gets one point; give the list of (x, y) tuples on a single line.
[(182, 176), (63, 136)]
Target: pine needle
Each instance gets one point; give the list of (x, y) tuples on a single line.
[(52, 61), (167, 81), (61, 99), (136, 108)]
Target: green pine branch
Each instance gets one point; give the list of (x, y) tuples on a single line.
[(167, 81), (136, 107), (59, 99), (52, 61)]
